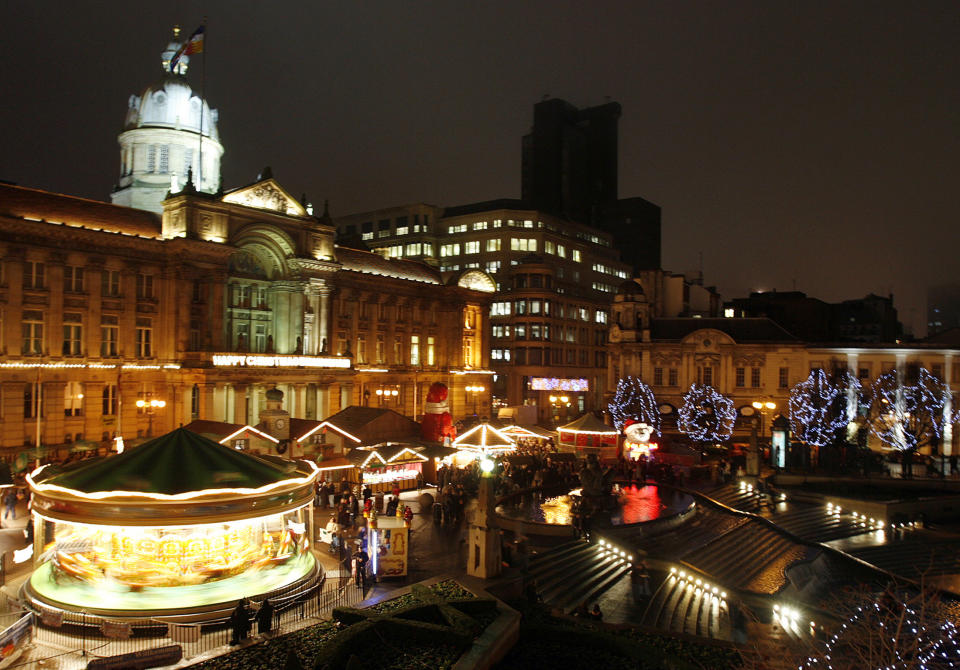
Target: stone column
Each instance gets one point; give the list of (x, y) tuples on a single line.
[(240, 404), (322, 319)]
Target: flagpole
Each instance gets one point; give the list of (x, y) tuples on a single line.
[(203, 103)]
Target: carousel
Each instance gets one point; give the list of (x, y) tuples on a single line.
[(178, 525), (483, 440)]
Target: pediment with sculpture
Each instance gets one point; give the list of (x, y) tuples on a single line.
[(266, 194)]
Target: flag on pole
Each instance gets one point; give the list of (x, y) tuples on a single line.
[(193, 45)]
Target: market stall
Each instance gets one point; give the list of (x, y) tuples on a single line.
[(391, 464), (178, 524), (389, 546), (482, 440), (589, 435)]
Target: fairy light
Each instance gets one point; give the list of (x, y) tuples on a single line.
[(706, 415), (634, 401), (906, 416), (818, 406)]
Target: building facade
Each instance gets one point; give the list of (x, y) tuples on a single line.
[(747, 359), (555, 279), (207, 307)]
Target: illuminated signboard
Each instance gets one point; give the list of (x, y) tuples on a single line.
[(557, 384), (268, 361)]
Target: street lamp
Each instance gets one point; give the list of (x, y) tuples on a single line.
[(558, 401), (476, 391), (763, 406), (150, 405), (384, 394)]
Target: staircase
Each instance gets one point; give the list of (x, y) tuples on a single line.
[(678, 607), (576, 572)]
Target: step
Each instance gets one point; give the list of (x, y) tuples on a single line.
[(560, 584), (588, 585), (567, 570), (602, 587), (557, 551), (545, 568)]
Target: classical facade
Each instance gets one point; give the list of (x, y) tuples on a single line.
[(205, 308), (746, 359)]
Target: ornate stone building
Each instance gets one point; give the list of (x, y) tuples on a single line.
[(206, 308), (746, 359)]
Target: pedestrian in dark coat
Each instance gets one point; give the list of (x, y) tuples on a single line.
[(265, 617), (240, 622)]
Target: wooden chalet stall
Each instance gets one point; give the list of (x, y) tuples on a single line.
[(589, 435)]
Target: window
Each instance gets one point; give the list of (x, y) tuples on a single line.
[(549, 247), (32, 342), (520, 307), (783, 378), (523, 244), (151, 158), (403, 230), (380, 349), (449, 250), (493, 244), (462, 228), (864, 373), (492, 267), (471, 247), (755, 378), (706, 375), (535, 331), (109, 334), (576, 255), (431, 351), (195, 401), (32, 400), (188, 162), (658, 376), (561, 251), (398, 350), (741, 378), (535, 306), (361, 349), (144, 286), (413, 249), (164, 159), (260, 338), (600, 316), (72, 334), (144, 337), (33, 274), (520, 331), (109, 400), (414, 350), (72, 279), (366, 230), (673, 377), (500, 309), (73, 399), (479, 225), (584, 314), (110, 283)]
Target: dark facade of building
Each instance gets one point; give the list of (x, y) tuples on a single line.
[(570, 169), (869, 319)]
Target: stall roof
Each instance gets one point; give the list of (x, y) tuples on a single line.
[(482, 437), (589, 423), (179, 462), (355, 422), (385, 454), (339, 463), (528, 431)]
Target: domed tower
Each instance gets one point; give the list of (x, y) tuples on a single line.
[(162, 141), (630, 314)]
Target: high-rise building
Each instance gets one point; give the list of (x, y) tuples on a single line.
[(569, 168)]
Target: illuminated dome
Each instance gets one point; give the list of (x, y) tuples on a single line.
[(160, 142), (180, 524)]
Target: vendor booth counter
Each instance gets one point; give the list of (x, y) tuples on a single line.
[(178, 525)]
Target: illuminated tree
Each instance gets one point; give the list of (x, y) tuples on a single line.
[(819, 406), (634, 401), (908, 411), (901, 627), (706, 415)]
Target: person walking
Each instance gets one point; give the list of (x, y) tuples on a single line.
[(240, 622), (10, 503), (265, 618)]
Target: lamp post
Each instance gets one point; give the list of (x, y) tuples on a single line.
[(476, 391), (557, 402), (150, 405), (763, 406)]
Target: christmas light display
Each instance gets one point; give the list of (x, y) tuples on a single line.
[(634, 401), (818, 406), (706, 415), (890, 633), (908, 411)]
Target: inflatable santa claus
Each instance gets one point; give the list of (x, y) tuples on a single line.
[(437, 424)]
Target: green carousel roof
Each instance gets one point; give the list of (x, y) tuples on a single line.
[(179, 462)]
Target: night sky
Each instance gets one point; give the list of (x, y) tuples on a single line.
[(808, 145)]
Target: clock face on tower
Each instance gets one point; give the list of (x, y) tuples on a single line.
[(280, 423)]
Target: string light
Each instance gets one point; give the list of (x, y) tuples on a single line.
[(818, 406), (634, 400), (907, 416), (706, 415)]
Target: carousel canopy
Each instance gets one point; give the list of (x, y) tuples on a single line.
[(484, 437), (589, 423), (179, 462)]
